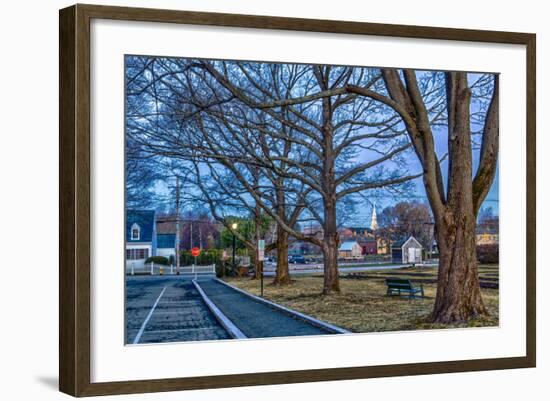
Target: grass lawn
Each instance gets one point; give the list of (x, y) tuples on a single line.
[(362, 305)]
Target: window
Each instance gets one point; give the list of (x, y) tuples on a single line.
[(135, 232), (135, 254)]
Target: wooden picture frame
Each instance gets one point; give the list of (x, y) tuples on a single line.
[(75, 208)]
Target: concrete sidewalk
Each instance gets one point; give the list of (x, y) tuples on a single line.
[(255, 319)]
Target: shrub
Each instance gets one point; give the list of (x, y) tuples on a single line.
[(207, 257), (161, 260), (487, 253), (224, 268)]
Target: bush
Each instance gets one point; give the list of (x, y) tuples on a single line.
[(160, 260), (224, 268), (487, 253), (207, 257)]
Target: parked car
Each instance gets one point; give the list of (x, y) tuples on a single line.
[(297, 259)]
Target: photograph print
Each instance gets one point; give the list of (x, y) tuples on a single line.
[(270, 199)]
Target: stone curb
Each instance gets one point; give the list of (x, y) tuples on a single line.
[(227, 324)]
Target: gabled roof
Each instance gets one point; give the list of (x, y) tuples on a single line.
[(166, 241), (402, 241), (366, 241), (348, 245), (145, 219)]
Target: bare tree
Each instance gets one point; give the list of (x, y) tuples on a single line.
[(404, 219), (243, 114), (455, 207), (327, 136)]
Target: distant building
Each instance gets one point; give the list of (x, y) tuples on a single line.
[(355, 232), (407, 250), (382, 246), (141, 236), (368, 245), (166, 235), (486, 235), (350, 250), (364, 236), (166, 245)]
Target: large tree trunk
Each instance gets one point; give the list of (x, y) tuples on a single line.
[(330, 228), (258, 266), (330, 251), (458, 293), (455, 210), (282, 276)]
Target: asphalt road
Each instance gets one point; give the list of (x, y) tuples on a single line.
[(179, 314)]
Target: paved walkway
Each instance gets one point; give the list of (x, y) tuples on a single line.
[(167, 309), (253, 318)]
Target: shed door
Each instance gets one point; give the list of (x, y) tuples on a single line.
[(411, 255), (415, 255)]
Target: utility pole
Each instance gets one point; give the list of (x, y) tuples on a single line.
[(177, 225), (191, 233)]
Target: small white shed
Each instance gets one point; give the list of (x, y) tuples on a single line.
[(407, 250)]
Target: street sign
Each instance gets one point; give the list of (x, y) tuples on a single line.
[(195, 251), (261, 250), (261, 254)]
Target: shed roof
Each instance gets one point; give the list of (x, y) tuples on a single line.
[(402, 241), (348, 245)]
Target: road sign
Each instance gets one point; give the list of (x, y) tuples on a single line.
[(261, 249), (195, 251)]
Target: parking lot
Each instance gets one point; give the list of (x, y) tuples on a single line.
[(167, 309)]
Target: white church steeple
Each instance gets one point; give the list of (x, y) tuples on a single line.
[(373, 222)]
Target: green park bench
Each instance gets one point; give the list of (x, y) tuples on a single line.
[(399, 285)]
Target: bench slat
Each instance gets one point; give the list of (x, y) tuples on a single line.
[(402, 285)]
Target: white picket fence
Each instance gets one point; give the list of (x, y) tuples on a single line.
[(157, 269)]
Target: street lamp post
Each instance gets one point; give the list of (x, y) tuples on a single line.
[(234, 227)]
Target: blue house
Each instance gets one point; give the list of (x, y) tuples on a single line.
[(141, 236), (166, 245)]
